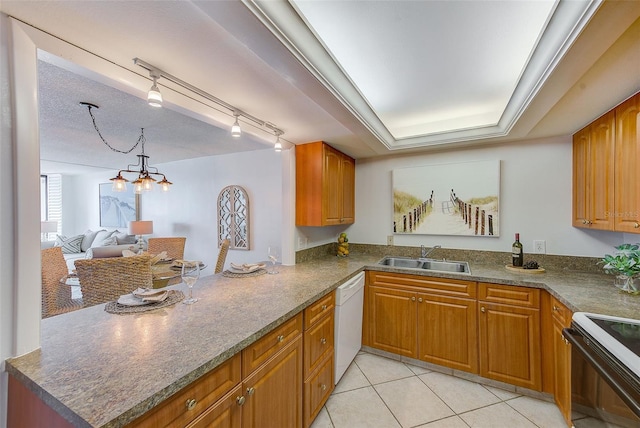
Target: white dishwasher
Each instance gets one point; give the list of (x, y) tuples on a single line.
[(348, 323)]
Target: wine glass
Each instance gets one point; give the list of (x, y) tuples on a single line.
[(190, 274), (272, 253)]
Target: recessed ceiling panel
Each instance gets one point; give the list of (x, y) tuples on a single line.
[(429, 67)]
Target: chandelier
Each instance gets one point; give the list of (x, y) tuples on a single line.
[(145, 180)]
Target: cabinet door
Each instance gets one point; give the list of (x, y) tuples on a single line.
[(601, 177), (226, 413), (562, 371), (510, 344), (318, 344), (627, 181), (332, 183), (580, 177), (392, 315), (274, 392), (317, 390), (348, 174), (447, 331)]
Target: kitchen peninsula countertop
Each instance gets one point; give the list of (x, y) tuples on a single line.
[(105, 370)]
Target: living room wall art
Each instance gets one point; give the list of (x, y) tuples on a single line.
[(117, 209), (447, 199)]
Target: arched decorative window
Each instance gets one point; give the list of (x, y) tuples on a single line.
[(233, 217)]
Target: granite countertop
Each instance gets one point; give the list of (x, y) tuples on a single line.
[(100, 369)]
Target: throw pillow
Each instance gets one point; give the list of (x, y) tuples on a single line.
[(69, 245), (88, 239), (124, 238), (110, 241), (101, 236)]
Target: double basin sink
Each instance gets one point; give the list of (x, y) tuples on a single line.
[(427, 264)]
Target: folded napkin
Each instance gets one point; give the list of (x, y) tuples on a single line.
[(180, 262), (158, 257), (150, 295), (128, 253), (248, 267)]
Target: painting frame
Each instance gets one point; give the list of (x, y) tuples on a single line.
[(458, 199), (117, 209)]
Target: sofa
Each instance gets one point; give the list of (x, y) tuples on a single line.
[(94, 244)]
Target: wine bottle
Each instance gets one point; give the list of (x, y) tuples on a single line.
[(516, 252)]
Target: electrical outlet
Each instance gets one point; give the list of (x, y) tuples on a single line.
[(539, 247), (390, 240)]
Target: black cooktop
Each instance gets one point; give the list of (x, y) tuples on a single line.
[(628, 334)]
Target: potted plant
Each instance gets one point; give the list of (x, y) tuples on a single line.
[(625, 264)]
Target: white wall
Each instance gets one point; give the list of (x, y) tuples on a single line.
[(535, 198), (189, 208)]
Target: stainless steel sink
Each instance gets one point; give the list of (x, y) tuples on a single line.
[(427, 264)]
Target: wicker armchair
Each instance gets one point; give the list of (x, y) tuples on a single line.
[(104, 280), (222, 256), (174, 246), (56, 296)]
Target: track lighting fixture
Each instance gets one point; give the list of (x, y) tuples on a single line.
[(278, 145), (154, 98), (235, 129)]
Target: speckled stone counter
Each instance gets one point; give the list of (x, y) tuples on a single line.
[(100, 369)]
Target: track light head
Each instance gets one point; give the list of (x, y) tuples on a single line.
[(154, 97), (236, 132), (278, 145)]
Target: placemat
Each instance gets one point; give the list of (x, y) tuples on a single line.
[(257, 272), (173, 297)]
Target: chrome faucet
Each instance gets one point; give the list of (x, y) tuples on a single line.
[(424, 251)]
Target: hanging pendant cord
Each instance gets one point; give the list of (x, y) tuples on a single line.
[(93, 119)]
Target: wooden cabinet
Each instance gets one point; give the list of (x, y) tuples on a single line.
[(325, 186), (627, 168), (593, 174), (509, 334), (200, 397), (318, 355), (417, 316), (273, 380), (561, 318), (606, 177)]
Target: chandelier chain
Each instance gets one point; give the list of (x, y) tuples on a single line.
[(140, 139)]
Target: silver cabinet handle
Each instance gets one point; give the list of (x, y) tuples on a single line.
[(323, 387), (636, 225), (191, 403), (482, 309), (413, 299), (555, 308), (324, 307), (240, 400), (280, 338), (323, 341), (420, 299), (250, 391)]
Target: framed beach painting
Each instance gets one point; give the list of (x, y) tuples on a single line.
[(447, 199), (117, 209)]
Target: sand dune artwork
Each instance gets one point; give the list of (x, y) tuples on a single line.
[(447, 199)]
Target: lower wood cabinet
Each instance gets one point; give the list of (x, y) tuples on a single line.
[(318, 356), (561, 318), (509, 335), (226, 412)]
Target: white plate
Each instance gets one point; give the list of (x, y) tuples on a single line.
[(131, 300), (255, 268)]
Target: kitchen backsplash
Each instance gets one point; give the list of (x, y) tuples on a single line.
[(570, 263)]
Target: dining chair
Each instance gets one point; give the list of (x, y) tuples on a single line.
[(56, 295), (222, 255), (174, 246), (104, 280)]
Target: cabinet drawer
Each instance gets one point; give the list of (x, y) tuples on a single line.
[(205, 392), (260, 351), (560, 312), (509, 295), (446, 286), (318, 343), (322, 307), (317, 390)]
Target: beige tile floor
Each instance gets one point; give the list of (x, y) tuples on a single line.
[(379, 392)]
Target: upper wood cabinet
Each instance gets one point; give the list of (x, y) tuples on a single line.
[(325, 186), (593, 179), (627, 182), (606, 158)]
